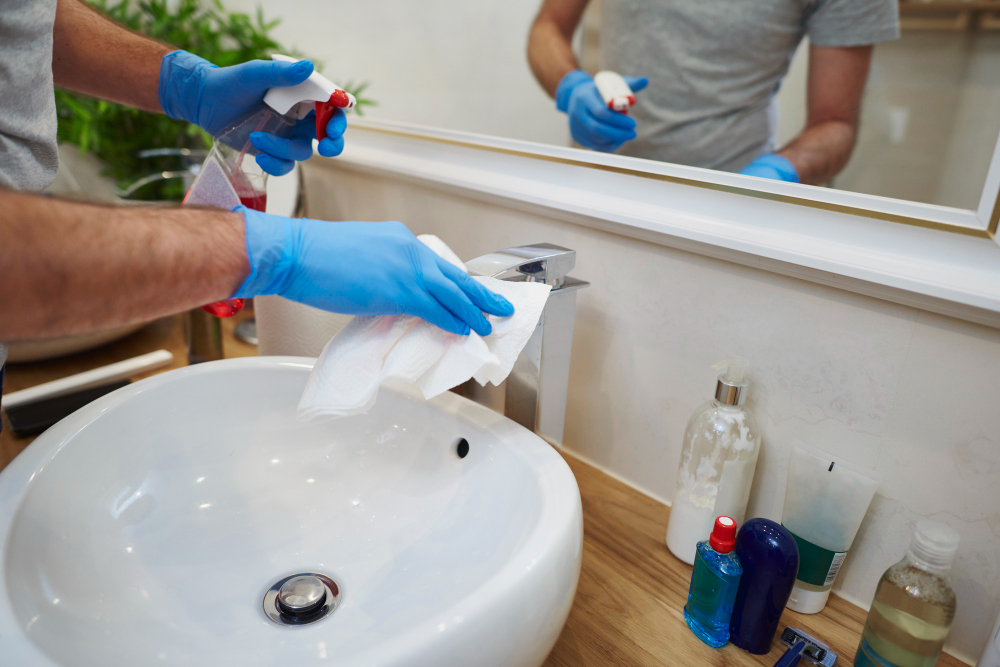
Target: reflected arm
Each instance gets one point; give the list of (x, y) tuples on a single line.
[(67, 267), (837, 77), (550, 41)]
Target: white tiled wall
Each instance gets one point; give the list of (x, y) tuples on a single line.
[(910, 393)]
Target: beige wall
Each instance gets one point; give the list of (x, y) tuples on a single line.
[(929, 122), (906, 392)]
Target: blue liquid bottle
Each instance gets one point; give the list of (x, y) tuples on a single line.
[(714, 582)]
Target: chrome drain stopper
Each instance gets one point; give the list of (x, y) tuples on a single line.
[(301, 599)]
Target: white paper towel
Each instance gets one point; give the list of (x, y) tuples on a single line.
[(370, 350)]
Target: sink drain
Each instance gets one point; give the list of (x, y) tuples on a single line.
[(301, 599)]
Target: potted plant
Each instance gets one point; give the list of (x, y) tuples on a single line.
[(132, 144)]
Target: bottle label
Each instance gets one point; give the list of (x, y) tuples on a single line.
[(734, 489), (818, 566)]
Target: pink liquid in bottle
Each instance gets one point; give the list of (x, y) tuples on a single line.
[(255, 199)]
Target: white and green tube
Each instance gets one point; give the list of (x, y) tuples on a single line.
[(825, 501)]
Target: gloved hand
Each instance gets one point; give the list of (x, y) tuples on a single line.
[(772, 166), (591, 122), (216, 98), (363, 268)]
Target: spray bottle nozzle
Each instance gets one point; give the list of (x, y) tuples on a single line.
[(317, 92), (339, 99), (735, 369)]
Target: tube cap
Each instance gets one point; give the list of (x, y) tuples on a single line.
[(806, 601), (723, 537)]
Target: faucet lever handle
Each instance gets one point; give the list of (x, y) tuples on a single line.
[(540, 262)]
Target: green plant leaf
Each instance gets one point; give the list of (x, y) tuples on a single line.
[(116, 134)]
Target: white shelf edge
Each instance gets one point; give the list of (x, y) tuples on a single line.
[(942, 272)]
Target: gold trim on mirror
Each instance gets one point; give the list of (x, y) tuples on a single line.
[(749, 192), (995, 218)]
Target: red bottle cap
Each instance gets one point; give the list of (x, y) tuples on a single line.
[(723, 537)]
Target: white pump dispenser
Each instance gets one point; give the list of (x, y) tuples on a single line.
[(718, 459)]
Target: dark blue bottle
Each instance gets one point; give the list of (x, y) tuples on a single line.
[(714, 581), (770, 560)]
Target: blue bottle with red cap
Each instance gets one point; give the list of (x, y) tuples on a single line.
[(714, 582)]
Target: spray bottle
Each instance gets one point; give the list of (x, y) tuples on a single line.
[(227, 179), (614, 90), (718, 459)]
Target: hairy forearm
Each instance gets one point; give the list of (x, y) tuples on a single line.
[(67, 267), (550, 54), (94, 55), (821, 150)]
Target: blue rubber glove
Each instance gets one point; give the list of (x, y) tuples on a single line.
[(363, 268), (216, 98), (591, 122), (772, 166)]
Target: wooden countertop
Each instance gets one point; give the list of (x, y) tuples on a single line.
[(628, 607)]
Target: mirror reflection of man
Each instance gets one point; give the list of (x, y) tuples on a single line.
[(714, 68)]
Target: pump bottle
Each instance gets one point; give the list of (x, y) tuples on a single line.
[(718, 459), (227, 179)]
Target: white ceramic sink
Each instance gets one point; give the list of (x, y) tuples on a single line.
[(146, 528)]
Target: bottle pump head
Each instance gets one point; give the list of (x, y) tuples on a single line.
[(317, 92), (731, 387)]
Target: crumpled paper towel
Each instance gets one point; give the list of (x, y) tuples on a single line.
[(370, 350)]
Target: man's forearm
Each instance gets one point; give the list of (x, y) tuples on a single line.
[(68, 268), (821, 151), (550, 55), (93, 55), (550, 48)]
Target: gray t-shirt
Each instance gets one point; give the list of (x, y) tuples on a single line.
[(714, 67), (28, 154)]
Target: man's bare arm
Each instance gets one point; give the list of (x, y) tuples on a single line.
[(550, 48), (67, 267), (837, 79), (93, 55)]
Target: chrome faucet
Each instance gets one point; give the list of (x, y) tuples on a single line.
[(534, 394)]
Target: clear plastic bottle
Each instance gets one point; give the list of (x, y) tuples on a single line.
[(714, 582), (718, 459), (914, 603), (228, 178)]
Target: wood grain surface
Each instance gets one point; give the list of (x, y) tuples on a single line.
[(629, 604), (628, 607)]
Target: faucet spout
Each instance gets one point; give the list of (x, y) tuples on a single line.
[(534, 394)]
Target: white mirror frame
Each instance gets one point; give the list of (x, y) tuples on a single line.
[(933, 257)]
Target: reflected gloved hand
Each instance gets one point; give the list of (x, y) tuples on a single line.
[(216, 98), (363, 268), (591, 122), (772, 166)]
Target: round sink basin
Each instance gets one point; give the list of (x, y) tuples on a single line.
[(148, 528)]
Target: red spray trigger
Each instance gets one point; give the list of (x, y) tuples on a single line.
[(325, 110)]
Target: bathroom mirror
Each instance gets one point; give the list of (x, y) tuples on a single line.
[(929, 120)]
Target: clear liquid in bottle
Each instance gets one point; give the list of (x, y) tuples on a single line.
[(914, 604)]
